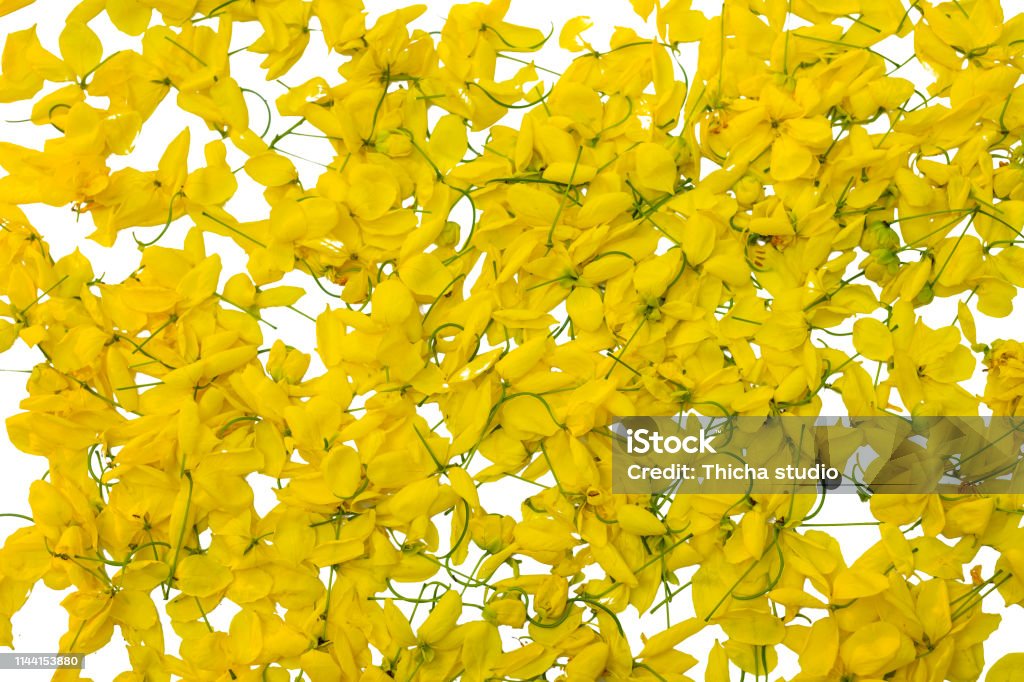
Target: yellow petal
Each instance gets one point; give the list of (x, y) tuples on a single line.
[(853, 583), (129, 16), (569, 37), (1009, 668), (753, 627), (655, 167), (271, 169), (343, 471), (448, 142), (336, 552), (586, 309), (373, 191), (603, 208), (639, 521), (872, 339), (790, 159), (245, 637), (442, 618), (670, 637), (818, 656), (425, 275), (698, 239), (870, 648), (80, 48), (200, 575)]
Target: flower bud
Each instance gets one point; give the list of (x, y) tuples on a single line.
[(878, 235), (505, 611), (925, 296), (551, 597), (449, 235), (492, 533), (748, 190)]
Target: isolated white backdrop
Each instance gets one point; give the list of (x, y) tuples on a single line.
[(39, 625)]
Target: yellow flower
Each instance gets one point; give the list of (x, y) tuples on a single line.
[(361, 413)]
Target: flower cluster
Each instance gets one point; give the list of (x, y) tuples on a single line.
[(524, 254)]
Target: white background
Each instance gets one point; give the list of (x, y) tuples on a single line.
[(39, 625)]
